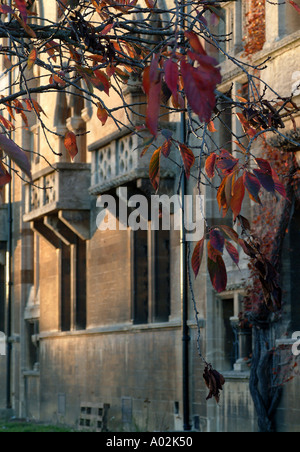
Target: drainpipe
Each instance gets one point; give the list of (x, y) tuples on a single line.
[(184, 294), (9, 275)]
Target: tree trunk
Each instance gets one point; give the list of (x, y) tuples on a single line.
[(265, 396)]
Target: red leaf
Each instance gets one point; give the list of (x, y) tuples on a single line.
[(226, 162), (231, 233), (212, 252), (154, 168), (199, 86), (265, 179), (6, 123), (279, 187), (217, 273), (166, 148), (152, 87), (15, 154), (107, 29), (5, 177), (297, 7), (171, 77), (101, 81), (217, 240), (4, 9), (232, 251), (237, 197), (197, 256), (21, 5), (264, 165), (253, 186), (71, 144), (188, 159), (146, 80), (195, 42), (210, 165), (150, 4), (248, 129)]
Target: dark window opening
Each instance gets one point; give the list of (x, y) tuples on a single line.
[(162, 276), (73, 274), (65, 287), (140, 269), (151, 276), (81, 285)]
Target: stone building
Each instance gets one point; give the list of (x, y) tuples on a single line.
[(95, 327)]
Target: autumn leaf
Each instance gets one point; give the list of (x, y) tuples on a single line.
[(217, 273), (248, 129), (152, 85), (264, 165), (221, 197), (166, 148), (102, 114), (231, 233), (4, 9), (252, 185), (217, 240), (16, 154), (5, 177), (188, 158), (237, 197), (197, 257), (70, 143), (212, 252), (211, 127), (297, 7), (232, 251), (32, 58), (214, 382), (279, 187), (171, 77), (21, 5), (199, 86), (195, 42), (154, 168), (101, 81), (6, 123), (265, 179), (210, 165)]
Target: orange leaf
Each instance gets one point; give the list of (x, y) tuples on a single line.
[(71, 144), (195, 42), (102, 114), (188, 158), (210, 165), (237, 197), (154, 168), (32, 58), (211, 127)]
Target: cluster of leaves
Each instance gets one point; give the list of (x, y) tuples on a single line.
[(255, 27), (214, 382)]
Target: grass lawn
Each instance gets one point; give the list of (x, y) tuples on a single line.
[(28, 427)]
